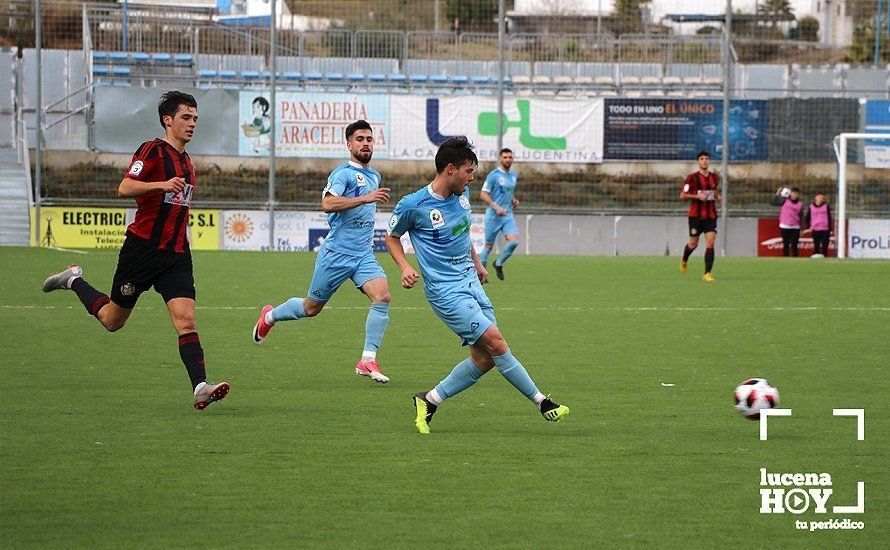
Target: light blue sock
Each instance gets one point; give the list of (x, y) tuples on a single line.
[(507, 252), (375, 326), (515, 373), (464, 375), (483, 256), (289, 310)]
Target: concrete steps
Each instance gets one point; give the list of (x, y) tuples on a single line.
[(15, 209)]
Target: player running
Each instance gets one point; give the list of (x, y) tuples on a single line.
[(700, 188), (156, 251), (350, 200), (437, 219), (498, 193)]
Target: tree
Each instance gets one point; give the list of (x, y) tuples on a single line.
[(863, 48), (472, 11), (778, 9), (628, 16), (807, 29)]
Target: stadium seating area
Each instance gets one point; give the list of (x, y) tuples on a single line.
[(479, 77)]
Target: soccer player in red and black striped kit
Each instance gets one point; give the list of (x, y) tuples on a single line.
[(700, 189), (156, 251)]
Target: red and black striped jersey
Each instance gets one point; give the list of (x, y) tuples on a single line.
[(695, 182), (162, 218)]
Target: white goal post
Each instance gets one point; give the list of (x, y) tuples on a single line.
[(840, 150)]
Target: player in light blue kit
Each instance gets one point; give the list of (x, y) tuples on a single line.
[(498, 193), (350, 200), (437, 220)]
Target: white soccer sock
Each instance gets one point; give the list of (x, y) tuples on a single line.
[(71, 280), (200, 387), (433, 397), (268, 318), (539, 398), (369, 355)]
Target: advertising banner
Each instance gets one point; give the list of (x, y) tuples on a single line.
[(877, 121), (869, 239), (203, 229), (677, 129), (309, 125), (306, 231), (537, 130), (769, 240), (81, 227)]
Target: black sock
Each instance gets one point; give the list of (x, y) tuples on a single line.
[(687, 252), (709, 259), (192, 356), (91, 298)]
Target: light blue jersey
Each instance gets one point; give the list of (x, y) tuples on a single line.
[(501, 186), (352, 231), (439, 229)]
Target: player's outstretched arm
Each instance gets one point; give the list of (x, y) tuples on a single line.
[(409, 274), (135, 188), (335, 203)]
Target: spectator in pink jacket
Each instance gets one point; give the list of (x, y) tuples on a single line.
[(818, 218), (790, 219)]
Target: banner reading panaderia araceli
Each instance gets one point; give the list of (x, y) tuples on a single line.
[(309, 125), (537, 130)]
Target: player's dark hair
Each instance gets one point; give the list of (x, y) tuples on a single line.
[(356, 126), (702, 154), (456, 151), (795, 189), (170, 102), (263, 102), (505, 150)]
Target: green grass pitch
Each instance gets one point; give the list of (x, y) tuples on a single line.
[(101, 446)]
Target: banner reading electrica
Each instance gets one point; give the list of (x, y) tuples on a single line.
[(677, 129)]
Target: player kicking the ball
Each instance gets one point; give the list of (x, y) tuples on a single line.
[(437, 219), (350, 200), (156, 251)]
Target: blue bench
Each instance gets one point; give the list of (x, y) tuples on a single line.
[(160, 58), (121, 71), (140, 58)]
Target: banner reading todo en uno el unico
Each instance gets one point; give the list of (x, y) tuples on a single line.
[(539, 130), (309, 125), (677, 129)]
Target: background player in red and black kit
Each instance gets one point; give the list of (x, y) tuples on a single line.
[(156, 251), (700, 188)]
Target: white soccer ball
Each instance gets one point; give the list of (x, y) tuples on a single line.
[(754, 395), (785, 193)]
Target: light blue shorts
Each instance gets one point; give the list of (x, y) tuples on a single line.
[(333, 268), (495, 224), (466, 310)]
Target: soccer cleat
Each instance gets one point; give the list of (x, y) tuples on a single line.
[(210, 393), (425, 412), (682, 266), (59, 281), (553, 412), (708, 278), (261, 328), (499, 270), (372, 370)]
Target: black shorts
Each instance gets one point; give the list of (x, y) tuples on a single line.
[(697, 226), (140, 266)]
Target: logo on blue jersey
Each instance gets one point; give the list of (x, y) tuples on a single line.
[(436, 218), (360, 179), (461, 228), (465, 202)]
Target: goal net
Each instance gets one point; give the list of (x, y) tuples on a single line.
[(863, 195)]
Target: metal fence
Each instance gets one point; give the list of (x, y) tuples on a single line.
[(580, 58)]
